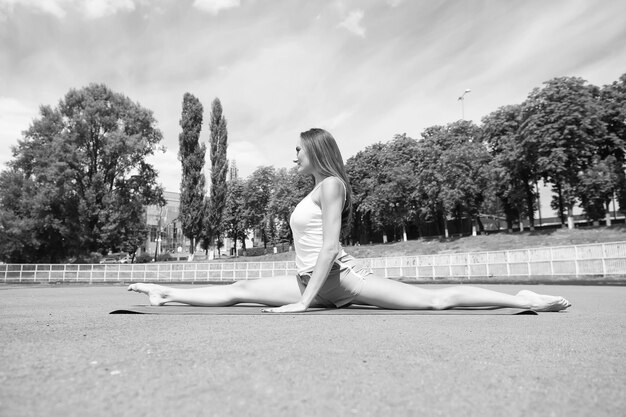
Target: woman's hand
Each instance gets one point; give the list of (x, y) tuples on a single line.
[(289, 308)]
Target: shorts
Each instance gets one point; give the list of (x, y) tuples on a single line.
[(343, 285)]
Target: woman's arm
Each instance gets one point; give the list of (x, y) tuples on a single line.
[(331, 200)]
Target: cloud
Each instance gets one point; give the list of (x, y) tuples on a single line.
[(282, 67), (53, 7), (215, 6), (91, 9), (336, 120), (15, 117), (95, 9), (168, 167), (352, 23), (248, 156)]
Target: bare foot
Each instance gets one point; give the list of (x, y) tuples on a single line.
[(157, 294), (540, 302)]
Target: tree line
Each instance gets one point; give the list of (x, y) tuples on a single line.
[(567, 134), (79, 181)]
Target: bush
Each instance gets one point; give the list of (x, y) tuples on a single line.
[(92, 258), (164, 257), (95, 258), (258, 251), (254, 251), (144, 258)]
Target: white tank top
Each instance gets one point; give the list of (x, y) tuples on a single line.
[(306, 226)]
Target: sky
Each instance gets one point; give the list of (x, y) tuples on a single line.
[(363, 69)]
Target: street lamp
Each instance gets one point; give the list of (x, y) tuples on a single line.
[(462, 98)]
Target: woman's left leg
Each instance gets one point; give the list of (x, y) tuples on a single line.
[(391, 294)]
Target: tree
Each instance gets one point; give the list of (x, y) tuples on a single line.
[(396, 204), (130, 215), (191, 155), (364, 170), (513, 170), (233, 171), (596, 186), (429, 179), (464, 162), (235, 225), (613, 99), (214, 227), (79, 179), (452, 173), (290, 187), (562, 121), (258, 194), (22, 232)]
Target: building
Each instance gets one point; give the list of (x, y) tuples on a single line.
[(165, 231), (164, 219)]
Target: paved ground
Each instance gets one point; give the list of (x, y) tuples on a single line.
[(63, 355)]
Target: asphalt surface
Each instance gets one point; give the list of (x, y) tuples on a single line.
[(62, 354)]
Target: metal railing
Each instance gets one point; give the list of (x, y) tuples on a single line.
[(601, 260)]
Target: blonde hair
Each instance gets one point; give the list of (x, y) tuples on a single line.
[(326, 159)]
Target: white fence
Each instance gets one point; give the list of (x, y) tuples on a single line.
[(593, 260)]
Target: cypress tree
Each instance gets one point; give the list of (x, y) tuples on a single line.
[(191, 155), (219, 170)]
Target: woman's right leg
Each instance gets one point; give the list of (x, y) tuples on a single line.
[(275, 291)]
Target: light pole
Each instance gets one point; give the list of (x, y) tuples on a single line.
[(462, 99)]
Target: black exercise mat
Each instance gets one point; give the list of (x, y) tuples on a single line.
[(248, 310)]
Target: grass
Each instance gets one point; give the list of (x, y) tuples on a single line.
[(482, 243)]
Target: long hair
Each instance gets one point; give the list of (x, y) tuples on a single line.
[(325, 157)]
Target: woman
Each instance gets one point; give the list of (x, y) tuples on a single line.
[(327, 276)]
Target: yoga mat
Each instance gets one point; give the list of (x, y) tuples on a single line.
[(247, 310)]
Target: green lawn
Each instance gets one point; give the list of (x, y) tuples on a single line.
[(493, 242)]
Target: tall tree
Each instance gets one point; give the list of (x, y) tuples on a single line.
[(513, 170), (613, 98), (452, 175), (191, 155), (429, 179), (562, 121), (364, 170), (464, 162), (83, 177), (214, 227), (397, 206)]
